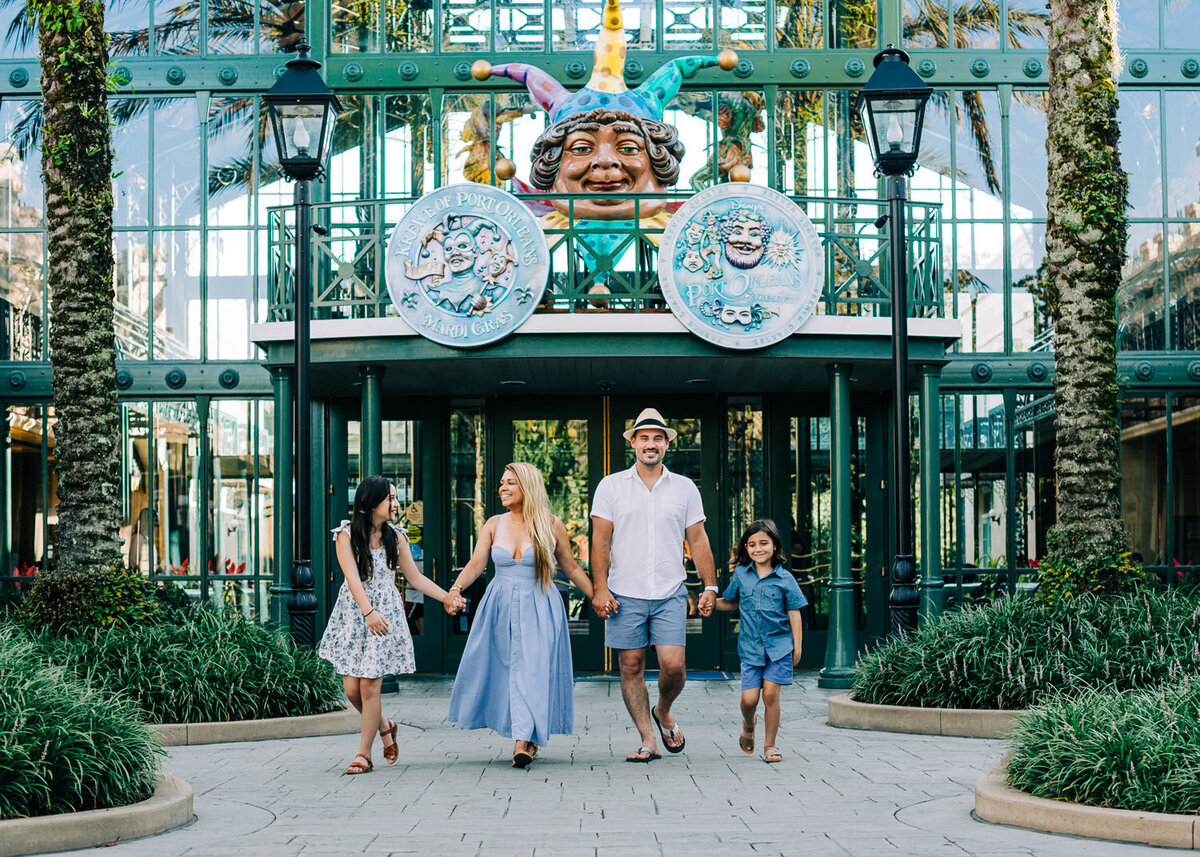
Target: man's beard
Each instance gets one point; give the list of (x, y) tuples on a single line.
[(741, 259)]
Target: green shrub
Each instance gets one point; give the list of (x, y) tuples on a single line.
[(211, 666), (68, 602), (174, 602), (65, 747), (1065, 574), (1114, 748), (1018, 652)]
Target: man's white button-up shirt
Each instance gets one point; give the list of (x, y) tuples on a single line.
[(646, 558)]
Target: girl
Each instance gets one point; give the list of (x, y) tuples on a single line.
[(516, 675), (769, 601), (367, 636)]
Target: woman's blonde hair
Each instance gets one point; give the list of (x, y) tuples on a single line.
[(539, 520)]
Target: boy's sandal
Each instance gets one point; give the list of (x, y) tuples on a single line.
[(390, 751), (771, 754), (363, 767), (746, 739)]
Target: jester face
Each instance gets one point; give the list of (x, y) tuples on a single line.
[(460, 251)]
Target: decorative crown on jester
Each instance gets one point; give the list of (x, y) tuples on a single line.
[(607, 138)]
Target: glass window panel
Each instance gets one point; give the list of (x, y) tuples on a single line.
[(934, 180), (978, 161), (409, 26), (354, 167), (131, 294), (1183, 153), (230, 161), (230, 294), (1027, 136), (1034, 499), (176, 295), (1183, 272), (131, 161), (137, 511), (1137, 24), (466, 25), (1028, 23), (854, 24), (800, 140), (1032, 327), (264, 500), (407, 146), (235, 488), (981, 489), (811, 513), (740, 126), (176, 438), (745, 493), (467, 461), (1185, 445), (27, 503), (744, 24), (978, 284), (576, 24), (799, 24), (686, 24), (21, 288), (355, 27), (1144, 476), (176, 27), (924, 24), (231, 27), (976, 25), (1140, 306), (128, 26), (402, 465), (21, 202), (18, 33), (1179, 23), (176, 162), (520, 26), (271, 189), (281, 25), (1141, 151)]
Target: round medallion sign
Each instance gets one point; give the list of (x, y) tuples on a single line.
[(467, 265), (741, 266)]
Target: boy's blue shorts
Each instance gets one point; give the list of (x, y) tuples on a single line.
[(779, 672)]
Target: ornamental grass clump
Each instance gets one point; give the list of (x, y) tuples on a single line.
[(211, 666), (65, 747), (1114, 748), (1016, 653)]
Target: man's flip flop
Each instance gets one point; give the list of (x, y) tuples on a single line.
[(649, 756), (663, 733)]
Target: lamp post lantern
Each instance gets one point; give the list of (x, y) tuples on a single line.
[(302, 110), (892, 107)]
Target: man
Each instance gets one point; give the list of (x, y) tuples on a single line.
[(640, 518)]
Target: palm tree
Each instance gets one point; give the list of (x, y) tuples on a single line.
[(76, 169), (1085, 248)]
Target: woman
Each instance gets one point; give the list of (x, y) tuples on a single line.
[(516, 675)]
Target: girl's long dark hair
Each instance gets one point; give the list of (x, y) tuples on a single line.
[(763, 525), (371, 492)]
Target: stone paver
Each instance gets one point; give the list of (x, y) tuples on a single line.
[(837, 792)]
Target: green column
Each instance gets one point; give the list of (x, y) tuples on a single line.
[(371, 460), (841, 644), (930, 587), (281, 468)]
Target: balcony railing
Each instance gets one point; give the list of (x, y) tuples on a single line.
[(348, 261)]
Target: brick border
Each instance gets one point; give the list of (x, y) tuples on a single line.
[(170, 806), (309, 726), (845, 712), (998, 802)]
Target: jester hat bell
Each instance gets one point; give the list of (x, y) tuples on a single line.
[(606, 89)]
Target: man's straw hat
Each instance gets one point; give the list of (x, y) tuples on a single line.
[(650, 418)]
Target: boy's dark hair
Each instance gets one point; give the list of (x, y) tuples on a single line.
[(762, 525)]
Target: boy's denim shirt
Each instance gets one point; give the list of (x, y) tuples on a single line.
[(763, 605)]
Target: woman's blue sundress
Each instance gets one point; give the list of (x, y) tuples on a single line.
[(516, 675), (349, 646)]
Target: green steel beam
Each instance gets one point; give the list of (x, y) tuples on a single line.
[(284, 416), (840, 646), (930, 586), (371, 432)]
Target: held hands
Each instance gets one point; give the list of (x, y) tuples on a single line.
[(376, 624), (454, 602), (708, 600), (603, 603)]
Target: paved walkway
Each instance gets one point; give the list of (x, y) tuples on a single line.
[(837, 792)]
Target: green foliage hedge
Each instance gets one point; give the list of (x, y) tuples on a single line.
[(1016, 653), (65, 747), (1115, 748), (208, 666), (69, 602)]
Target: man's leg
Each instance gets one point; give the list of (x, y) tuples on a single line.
[(633, 691), (672, 676)]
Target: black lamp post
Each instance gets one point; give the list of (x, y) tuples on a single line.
[(892, 106), (302, 111)]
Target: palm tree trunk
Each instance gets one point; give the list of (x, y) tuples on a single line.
[(77, 169), (1086, 230)]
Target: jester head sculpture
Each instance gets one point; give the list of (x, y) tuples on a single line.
[(606, 138)]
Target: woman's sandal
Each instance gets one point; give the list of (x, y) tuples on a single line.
[(390, 751), (522, 757), (746, 739), (771, 754), (363, 767)]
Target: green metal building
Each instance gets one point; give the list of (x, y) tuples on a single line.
[(797, 431)]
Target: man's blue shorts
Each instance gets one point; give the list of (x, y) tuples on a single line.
[(640, 622), (779, 671)]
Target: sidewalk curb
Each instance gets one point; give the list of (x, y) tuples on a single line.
[(170, 806), (847, 713), (309, 726), (1000, 803)]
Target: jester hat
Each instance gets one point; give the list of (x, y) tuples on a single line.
[(606, 89)]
